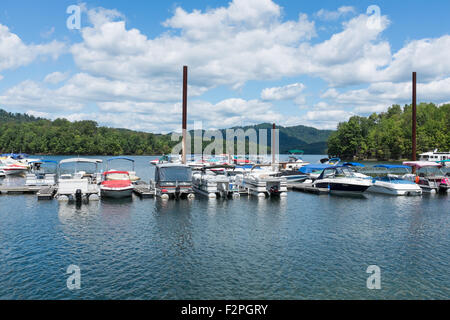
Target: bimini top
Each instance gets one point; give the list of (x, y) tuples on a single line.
[(315, 167), (421, 164), (121, 158), (391, 166), (295, 151), (81, 160), (353, 164), (171, 165)]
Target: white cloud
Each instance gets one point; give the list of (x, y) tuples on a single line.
[(56, 77), (287, 92), (14, 53), (334, 15)]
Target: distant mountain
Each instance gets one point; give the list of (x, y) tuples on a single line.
[(308, 139), (37, 135)]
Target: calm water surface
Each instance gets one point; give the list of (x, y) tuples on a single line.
[(302, 247)]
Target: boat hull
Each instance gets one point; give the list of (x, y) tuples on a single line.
[(116, 193)]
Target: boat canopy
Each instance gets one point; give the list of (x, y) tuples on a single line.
[(116, 172), (295, 151), (353, 164), (314, 167), (44, 161), (120, 158), (421, 164), (173, 172), (391, 166), (81, 160)]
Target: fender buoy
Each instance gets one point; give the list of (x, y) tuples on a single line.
[(417, 179)]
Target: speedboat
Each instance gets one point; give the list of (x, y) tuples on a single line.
[(429, 176), (173, 180), (80, 185), (10, 166), (116, 184), (20, 158), (40, 175), (132, 173), (341, 180), (394, 184)]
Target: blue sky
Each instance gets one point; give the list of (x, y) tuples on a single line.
[(291, 62)]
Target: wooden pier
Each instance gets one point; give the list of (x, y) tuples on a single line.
[(46, 193), (19, 189), (307, 187), (144, 191)]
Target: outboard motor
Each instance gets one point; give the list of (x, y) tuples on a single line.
[(78, 196)]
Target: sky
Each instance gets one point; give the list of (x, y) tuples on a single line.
[(314, 63)]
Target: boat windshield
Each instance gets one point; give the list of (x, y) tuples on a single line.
[(117, 176), (430, 172), (340, 172), (174, 174)]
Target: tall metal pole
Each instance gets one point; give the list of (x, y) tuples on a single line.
[(414, 119), (273, 145), (184, 132)]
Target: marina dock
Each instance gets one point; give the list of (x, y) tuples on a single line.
[(144, 190), (307, 187)]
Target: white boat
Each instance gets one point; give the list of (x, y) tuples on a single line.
[(80, 185), (260, 182), (213, 183), (394, 184), (40, 175), (2, 174), (341, 180), (428, 176), (116, 184), (173, 180), (132, 173), (434, 156), (10, 166)]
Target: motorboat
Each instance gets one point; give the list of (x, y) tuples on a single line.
[(43, 173), (116, 184), (393, 184), (79, 185), (213, 183), (293, 164), (2, 174), (341, 180), (10, 166), (260, 182), (132, 173), (330, 161), (166, 159), (434, 156), (428, 176), (173, 180), (20, 158)]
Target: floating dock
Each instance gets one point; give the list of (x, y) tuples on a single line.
[(307, 187), (19, 189), (144, 191), (46, 193)]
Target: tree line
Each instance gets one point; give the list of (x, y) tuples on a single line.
[(27, 134), (387, 135)]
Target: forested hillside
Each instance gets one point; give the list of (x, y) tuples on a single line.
[(388, 135)]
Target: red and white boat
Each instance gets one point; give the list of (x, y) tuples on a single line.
[(11, 167), (116, 184)]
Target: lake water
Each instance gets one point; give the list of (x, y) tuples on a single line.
[(302, 247)]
